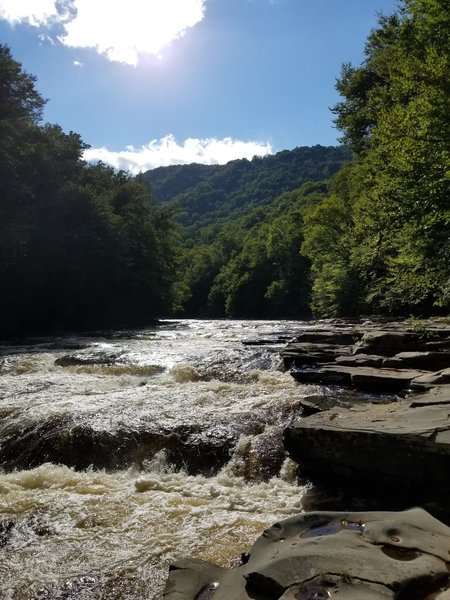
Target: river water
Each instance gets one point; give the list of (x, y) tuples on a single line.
[(124, 451)]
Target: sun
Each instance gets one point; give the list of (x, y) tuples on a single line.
[(122, 30)]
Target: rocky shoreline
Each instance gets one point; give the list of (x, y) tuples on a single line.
[(406, 443), (315, 556), (401, 445)]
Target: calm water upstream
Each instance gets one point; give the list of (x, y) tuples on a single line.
[(122, 452)]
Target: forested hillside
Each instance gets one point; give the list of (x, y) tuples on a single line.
[(375, 237), (360, 229), (207, 194), (243, 230), (80, 246)]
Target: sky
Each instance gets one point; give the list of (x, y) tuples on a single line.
[(149, 83)]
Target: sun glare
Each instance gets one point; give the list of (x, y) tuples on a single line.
[(123, 30), (33, 12)]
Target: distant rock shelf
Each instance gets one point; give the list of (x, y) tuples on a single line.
[(366, 358)]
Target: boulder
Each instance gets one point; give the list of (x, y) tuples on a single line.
[(326, 554)]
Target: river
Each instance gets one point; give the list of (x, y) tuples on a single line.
[(123, 451)]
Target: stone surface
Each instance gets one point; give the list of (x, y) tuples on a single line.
[(360, 360), (389, 343), (364, 378), (396, 355), (327, 554), (397, 444), (429, 361), (431, 379), (436, 395), (333, 336), (297, 355)]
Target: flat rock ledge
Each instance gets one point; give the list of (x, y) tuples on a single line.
[(315, 556), (371, 357), (404, 444)]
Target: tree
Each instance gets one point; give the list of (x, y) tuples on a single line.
[(80, 246), (396, 115)]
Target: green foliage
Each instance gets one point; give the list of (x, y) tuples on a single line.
[(278, 236), (255, 269), (80, 246), (329, 237), (217, 194), (242, 247), (390, 235)]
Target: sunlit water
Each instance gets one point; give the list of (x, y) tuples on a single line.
[(137, 448)]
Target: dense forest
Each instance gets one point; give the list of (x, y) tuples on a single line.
[(364, 228), (373, 238), (80, 246), (380, 241), (243, 225)]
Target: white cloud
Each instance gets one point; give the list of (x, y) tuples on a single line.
[(167, 151), (119, 29), (33, 12)]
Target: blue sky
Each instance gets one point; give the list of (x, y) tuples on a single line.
[(154, 82)]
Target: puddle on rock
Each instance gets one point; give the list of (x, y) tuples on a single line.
[(332, 528)]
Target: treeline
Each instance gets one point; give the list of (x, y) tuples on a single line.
[(80, 246), (360, 229), (380, 242), (243, 234), (375, 237)]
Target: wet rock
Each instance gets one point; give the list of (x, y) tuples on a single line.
[(430, 380), (360, 360), (335, 337), (299, 355), (6, 530), (277, 339), (312, 406), (363, 378), (61, 441), (389, 343), (88, 358), (202, 453), (191, 578), (328, 374), (403, 447), (437, 395), (395, 353), (431, 361), (263, 456), (324, 554)]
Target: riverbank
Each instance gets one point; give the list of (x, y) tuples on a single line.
[(394, 447), (403, 444)]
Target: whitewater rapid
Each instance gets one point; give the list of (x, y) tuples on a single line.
[(124, 451)]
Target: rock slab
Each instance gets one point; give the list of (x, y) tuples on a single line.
[(388, 359), (320, 555), (402, 444)]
